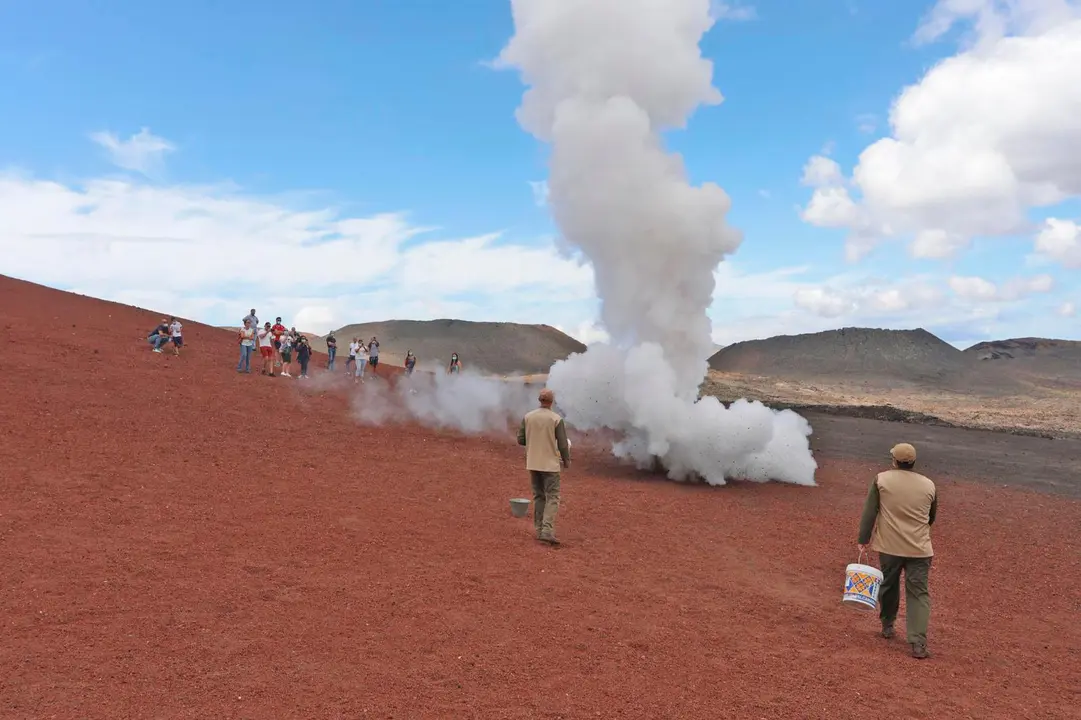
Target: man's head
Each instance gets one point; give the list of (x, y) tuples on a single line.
[(546, 397), (247, 322), (278, 320), (253, 311), (904, 456)]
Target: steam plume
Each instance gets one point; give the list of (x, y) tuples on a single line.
[(606, 78), (468, 403)]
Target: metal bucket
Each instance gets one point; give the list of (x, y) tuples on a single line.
[(519, 507)]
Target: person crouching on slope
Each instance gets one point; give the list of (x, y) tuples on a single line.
[(544, 435), (159, 335), (898, 513)]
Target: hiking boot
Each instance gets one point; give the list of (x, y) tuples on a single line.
[(887, 632), (919, 651), (547, 537)]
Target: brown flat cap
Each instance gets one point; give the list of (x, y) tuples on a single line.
[(903, 453)]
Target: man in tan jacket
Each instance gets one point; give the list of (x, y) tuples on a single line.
[(900, 508), (544, 435)]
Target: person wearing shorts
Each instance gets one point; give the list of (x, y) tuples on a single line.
[(266, 349), (176, 330), (286, 353), (278, 330), (373, 353)]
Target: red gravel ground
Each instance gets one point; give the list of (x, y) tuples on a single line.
[(180, 541)]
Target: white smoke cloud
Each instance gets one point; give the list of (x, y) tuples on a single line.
[(606, 78), (467, 403)]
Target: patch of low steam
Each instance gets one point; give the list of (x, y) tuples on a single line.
[(467, 402)]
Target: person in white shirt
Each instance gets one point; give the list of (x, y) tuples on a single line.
[(353, 346), (246, 337), (266, 349), (176, 330), (286, 352), (362, 362)]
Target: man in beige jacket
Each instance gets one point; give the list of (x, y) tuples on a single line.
[(544, 435), (900, 508)]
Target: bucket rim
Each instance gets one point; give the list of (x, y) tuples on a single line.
[(860, 567), (520, 500)]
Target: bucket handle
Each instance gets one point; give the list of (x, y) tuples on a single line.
[(860, 559)]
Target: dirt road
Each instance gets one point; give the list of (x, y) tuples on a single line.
[(994, 458)]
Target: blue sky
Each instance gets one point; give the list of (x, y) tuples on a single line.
[(370, 108)]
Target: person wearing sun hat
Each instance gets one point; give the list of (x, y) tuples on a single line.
[(897, 517)]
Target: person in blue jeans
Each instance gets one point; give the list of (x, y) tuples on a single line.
[(332, 351), (246, 337), (159, 335)]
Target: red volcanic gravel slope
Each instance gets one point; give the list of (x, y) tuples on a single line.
[(180, 541)]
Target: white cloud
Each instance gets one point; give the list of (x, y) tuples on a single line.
[(867, 123), (1060, 240), (937, 244), (869, 300), (540, 192), (212, 252), (983, 290), (822, 172), (983, 137), (142, 152), (733, 12), (1067, 309)]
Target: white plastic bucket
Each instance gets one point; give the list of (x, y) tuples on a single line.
[(861, 586)]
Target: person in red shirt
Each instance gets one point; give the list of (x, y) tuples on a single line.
[(277, 330)]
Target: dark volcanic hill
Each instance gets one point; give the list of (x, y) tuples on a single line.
[(861, 355), (1041, 358), (493, 347)]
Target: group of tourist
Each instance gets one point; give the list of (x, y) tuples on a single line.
[(168, 332), (276, 344)]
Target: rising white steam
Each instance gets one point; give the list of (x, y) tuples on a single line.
[(606, 78), (468, 403)]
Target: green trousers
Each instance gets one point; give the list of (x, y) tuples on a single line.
[(545, 501), (917, 596)]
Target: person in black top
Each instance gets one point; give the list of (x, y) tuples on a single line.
[(332, 351), (159, 335), (304, 354), (410, 362)]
